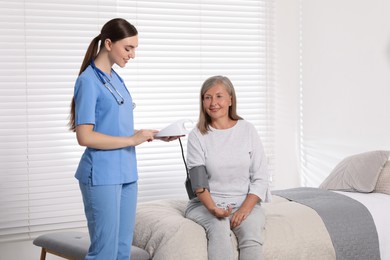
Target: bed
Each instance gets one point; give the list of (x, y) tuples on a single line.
[(297, 226)]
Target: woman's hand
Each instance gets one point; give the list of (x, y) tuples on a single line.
[(238, 217), (222, 212), (206, 199), (243, 212)]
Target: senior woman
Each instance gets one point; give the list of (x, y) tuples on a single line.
[(228, 171)]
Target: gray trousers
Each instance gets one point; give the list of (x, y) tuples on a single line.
[(249, 234)]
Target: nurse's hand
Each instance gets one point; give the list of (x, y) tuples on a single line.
[(143, 135), (168, 138)]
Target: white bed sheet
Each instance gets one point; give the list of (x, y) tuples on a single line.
[(379, 206)]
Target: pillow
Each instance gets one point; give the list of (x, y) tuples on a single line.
[(383, 183), (357, 173)]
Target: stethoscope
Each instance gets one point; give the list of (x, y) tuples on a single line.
[(106, 82)]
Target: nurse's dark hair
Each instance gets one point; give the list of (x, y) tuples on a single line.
[(115, 30)]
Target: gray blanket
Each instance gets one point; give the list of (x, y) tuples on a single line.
[(349, 223)]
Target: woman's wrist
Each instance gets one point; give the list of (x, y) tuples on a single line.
[(212, 210)]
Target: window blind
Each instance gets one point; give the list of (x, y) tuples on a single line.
[(180, 45)]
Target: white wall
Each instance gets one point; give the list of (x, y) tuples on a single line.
[(344, 87), (287, 94), (346, 81)]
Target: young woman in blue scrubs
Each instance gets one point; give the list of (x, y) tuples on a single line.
[(102, 117)]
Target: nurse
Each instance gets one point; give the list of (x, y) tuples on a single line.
[(102, 117)]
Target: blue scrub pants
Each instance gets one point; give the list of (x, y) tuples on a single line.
[(110, 212)]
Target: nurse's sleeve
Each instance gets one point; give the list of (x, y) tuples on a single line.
[(85, 97), (260, 180)]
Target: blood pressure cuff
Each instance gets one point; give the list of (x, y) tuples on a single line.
[(199, 178)]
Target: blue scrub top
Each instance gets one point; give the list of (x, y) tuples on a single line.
[(95, 105)]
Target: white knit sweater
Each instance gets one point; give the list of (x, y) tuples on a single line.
[(235, 161)]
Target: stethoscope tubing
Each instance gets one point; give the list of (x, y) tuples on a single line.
[(100, 75)]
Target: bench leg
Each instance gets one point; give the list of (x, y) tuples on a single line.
[(43, 254)]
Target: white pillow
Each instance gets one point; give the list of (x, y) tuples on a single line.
[(383, 183), (357, 173)]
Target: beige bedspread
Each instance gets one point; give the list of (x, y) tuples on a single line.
[(293, 231)]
